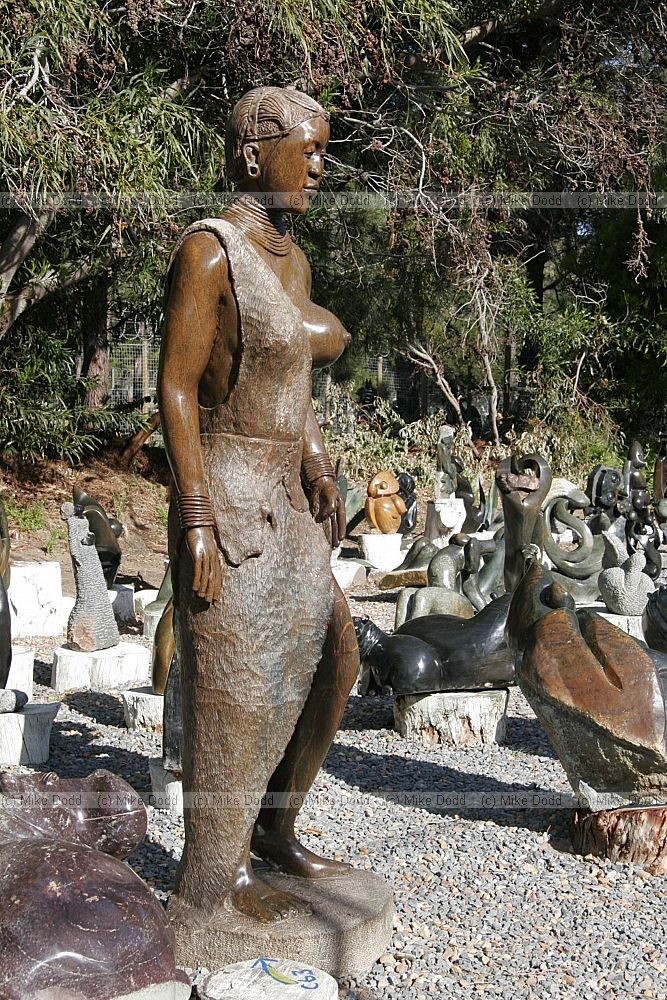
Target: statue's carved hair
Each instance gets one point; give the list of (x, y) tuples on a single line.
[(266, 113)]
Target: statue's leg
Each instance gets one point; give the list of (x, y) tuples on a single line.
[(273, 838)]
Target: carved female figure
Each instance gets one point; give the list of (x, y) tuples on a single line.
[(267, 646)]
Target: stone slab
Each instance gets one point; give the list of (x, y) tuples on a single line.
[(167, 789), (162, 991), (102, 670), (142, 599), (348, 573), (382, 551), (267, 979), (631, 624), (121, 596), (349, 928), (143, 709), (35, 595), (25, 736), (453, 718), (21, 671)]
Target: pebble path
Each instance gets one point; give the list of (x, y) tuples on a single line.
[(490, 900)]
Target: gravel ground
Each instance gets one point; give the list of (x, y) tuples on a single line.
[(490, 901)]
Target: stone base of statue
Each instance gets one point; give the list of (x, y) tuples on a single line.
[(166, 788), (630, 624), (162, 991), (349, 928), (143, 709), (142, 598), (631, 835), (453, 718), (25, 736), (348, 573), (382, 551), (121, 596), (443, 519), (35, 599), (21, 671), (266, 979), (101, 670), (151, 620)]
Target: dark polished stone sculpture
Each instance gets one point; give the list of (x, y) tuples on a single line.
[(267, 648), (578, 569), (602, 489), (5, 619), (409, 498), (523, 484), (75, 922), (439, 652), (660, 470), (463, 491), (654, 620), (446, 473), (107, 531)]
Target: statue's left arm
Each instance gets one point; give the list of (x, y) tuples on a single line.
[(326, 502)]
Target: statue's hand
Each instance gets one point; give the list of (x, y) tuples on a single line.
[(326, 503), (203, 548)]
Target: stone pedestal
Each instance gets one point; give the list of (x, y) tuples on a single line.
[(167, 789), (152, 615), (35, 595), (102, 670), (21, 671), (121, 596), (443, 518), (631, 624), (382, 551), (142, 598), (454, 718), (143, 709), (348, 573), (162, 991), (349, 928), (266, 979), (25, 735)]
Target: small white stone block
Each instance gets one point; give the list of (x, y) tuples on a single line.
[(454, 718), (142, 599), (382, 551), (35, 594), (121, 596), (631, 624), (167, 788), (161, 991), (151, 619), (444, 518), (143, 709), (348, 573), (25, 735), (101, 670), (21, 671), (268, 979)]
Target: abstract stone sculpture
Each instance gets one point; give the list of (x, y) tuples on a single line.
[(265, 641), (625, 589), (446, 472), (577, 570), (385, 507), (654, 620), (106, 530), (660, 470), (474, 515), (602, 488), (91, 625), (409, 498), (523, 484), (75, 922)]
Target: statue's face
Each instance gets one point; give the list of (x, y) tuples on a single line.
[(291, 166)]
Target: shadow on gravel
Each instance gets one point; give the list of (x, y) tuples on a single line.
[(368, 713), (529, 736), (443, 791), (105, 709), (75, 755), (388, 597)]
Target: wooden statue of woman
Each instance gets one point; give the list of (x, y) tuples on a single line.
[(268, 650)]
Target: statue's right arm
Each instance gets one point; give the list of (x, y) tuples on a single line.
[(199, 282)]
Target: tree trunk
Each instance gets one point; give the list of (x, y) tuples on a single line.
[(96, 342), (636, 836), (139, 439), (493, 401)]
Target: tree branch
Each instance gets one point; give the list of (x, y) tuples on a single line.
[(427, 361), (480, 32), (26, 231)]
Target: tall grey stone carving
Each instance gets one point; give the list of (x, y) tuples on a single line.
[(91, 623)]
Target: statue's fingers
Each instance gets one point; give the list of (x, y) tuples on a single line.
[(197, 575), (203, 577)]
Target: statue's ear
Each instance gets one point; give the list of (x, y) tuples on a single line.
[(251, 158)]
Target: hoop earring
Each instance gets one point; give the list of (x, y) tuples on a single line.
[(253, 170)]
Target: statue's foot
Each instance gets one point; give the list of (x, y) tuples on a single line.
[(259, 901), (291, 856)]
